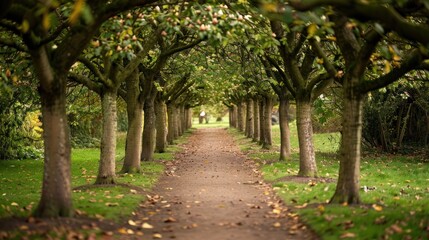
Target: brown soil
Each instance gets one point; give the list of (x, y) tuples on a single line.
[(210, 191)]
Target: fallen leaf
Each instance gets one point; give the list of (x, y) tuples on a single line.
[(377, 207), (109, 204), (157, 236), (122, 231), (396, 228), (277, 224), (380, 220), (133, 191), (147, 226), (14, 204), (348, 235), (132, 223), (169, 220)]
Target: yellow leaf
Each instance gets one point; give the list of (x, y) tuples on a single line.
[(77, 10), (122, 231), (46, 21), (311, 30), (348, 235), (147, 226), (269, 7), (157, 236), (277, 224), (14, 204), (387, 67), (25, 26), (132, 223), (277, 211), (377, 207)]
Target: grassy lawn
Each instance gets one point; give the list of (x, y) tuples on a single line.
[(21, 183), (395, 204)]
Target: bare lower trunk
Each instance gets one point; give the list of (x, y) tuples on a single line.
[(268, 142), (148, 142), (307, 158), (285, 149), (347, 190), (256, 120), (135, 126), (161, 125), (178, 123), (106, 169), (241, 116), (171, 135), (55, 198), (262, 120), (235, 116), (188, 118), (249, 118), (134, 141)]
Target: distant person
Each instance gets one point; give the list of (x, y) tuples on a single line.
[(202, 117)]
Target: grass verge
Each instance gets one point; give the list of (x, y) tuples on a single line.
[(395, 192), (21, 182)]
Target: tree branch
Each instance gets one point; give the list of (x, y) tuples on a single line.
[(411, 62), (78, 78), (364, 11)]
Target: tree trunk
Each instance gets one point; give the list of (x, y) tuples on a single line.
[(240, 116), (249, 118), (161, 125), (262, 120), (148, 142), (188, 118), (135, 126), (307, 158), (178, 120), (285, 149), (347, 190), (256, 120), (268, 142), (171, 110), (182, 120), (106, 168), (55, 198)]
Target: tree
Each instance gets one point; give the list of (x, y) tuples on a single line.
[(357, 50), (54, 46)]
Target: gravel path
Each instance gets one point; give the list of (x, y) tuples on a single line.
[(212, 192)]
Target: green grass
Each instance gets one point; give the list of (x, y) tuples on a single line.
[(212, 123), (21, 184), (397, 207)]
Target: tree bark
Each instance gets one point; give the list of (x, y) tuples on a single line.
[(161, 125), (135, 126), (240, 116), (262, 120), (249, 118), (149, 130), (106, 169), (256, 120), (268, 107), (285, 149), (188, 118), (171, 121), (307, 158), (55, 198), (347, 190)]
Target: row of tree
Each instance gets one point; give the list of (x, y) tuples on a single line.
[(164, 58)]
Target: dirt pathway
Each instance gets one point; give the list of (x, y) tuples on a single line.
[(211, 192)]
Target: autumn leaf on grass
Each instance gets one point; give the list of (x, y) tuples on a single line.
[(109, 204), (377, 207), (348, 235)]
